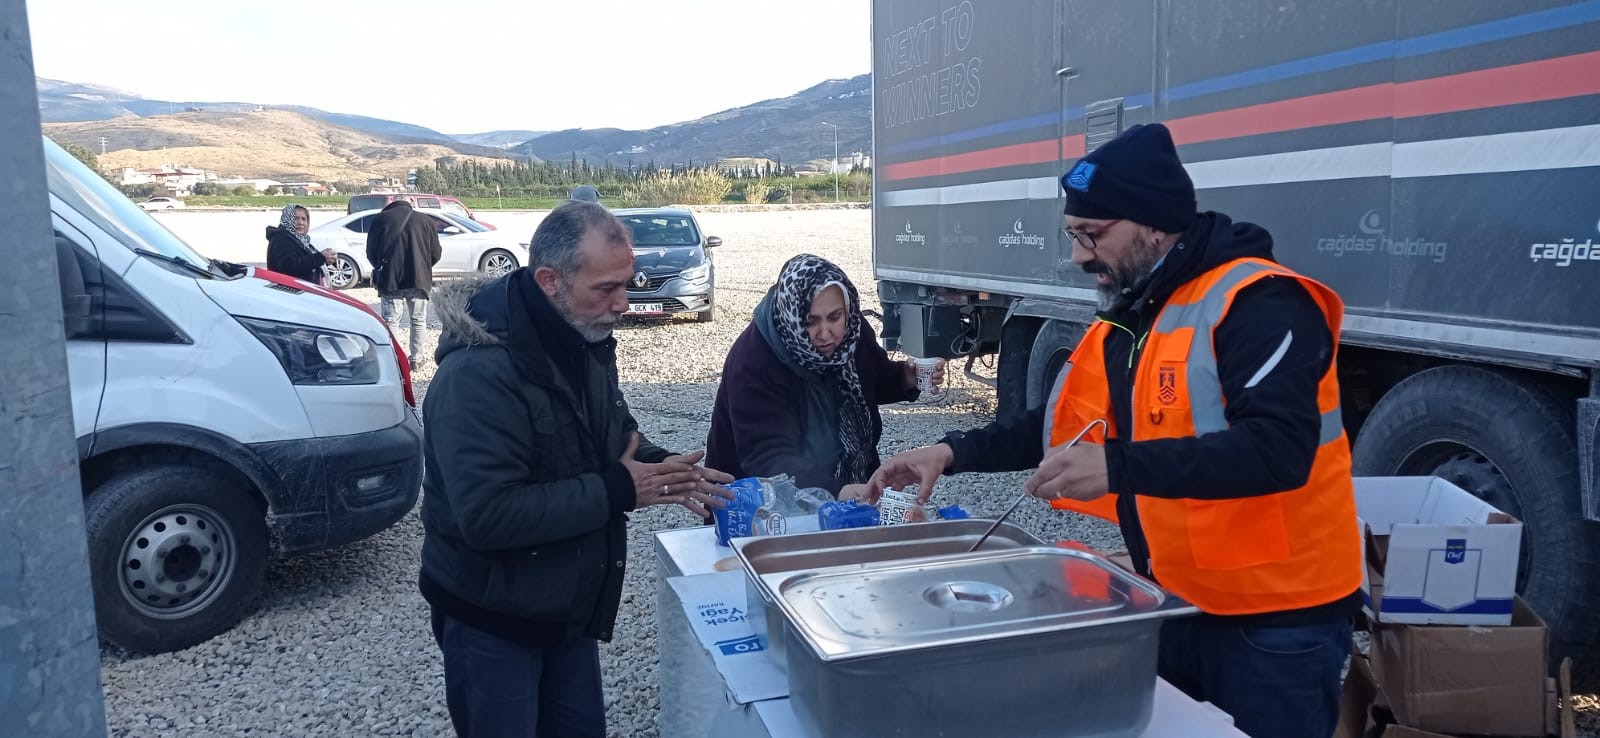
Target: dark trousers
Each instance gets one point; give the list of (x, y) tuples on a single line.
[(1276, 681), (498, 689)]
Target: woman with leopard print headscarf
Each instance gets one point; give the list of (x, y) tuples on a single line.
[(801, 386)]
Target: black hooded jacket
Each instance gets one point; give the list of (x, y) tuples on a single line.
[(1273, 419), (286, 255), (402, 247)]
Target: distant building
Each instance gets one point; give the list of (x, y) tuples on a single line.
[(260, 185), (178, 180)]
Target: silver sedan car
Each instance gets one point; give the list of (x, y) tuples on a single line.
[(468, 247)]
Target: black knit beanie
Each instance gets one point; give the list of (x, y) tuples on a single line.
[(1136, 176)]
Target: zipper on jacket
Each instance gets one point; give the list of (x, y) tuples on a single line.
[(1128, 504)]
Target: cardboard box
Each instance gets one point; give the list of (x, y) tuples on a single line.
[(1435, 554), (1473, 681)]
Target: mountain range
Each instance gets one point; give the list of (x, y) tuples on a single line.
[(792, 129)]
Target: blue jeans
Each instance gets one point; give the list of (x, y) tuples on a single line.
[(1276, 681), (394, 309), (498, 689)]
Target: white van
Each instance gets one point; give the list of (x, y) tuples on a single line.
[(221, 418)]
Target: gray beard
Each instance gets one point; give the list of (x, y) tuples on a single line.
[(1128, 281), (592, 332)]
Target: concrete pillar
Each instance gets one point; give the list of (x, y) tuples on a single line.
[(49, 654)]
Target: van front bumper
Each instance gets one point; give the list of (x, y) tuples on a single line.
[(341, 489)]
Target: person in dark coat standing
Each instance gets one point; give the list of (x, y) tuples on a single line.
[(289, 249), (402, 247), (533, 463), (801, 386)]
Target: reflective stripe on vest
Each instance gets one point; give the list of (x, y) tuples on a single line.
[(1291, 549), (1205, 386)]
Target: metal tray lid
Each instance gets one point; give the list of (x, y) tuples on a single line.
[(869, 610)]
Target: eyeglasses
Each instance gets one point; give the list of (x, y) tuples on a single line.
[(1085, 238)]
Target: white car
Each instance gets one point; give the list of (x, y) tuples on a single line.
[(161, 203), (468, 247)]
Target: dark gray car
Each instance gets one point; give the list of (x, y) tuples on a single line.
[(672, 263)]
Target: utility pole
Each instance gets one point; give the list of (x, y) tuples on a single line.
[(102, 145), (835, 169), (49, 653)]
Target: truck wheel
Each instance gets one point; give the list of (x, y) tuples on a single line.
[(175, 554), (1051, 349), (1016, 346), (1511, 444)]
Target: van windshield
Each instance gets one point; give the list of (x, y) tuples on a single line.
[(92, 196)]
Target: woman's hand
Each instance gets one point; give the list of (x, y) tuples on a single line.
[(911, 374)]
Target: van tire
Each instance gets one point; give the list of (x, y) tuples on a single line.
[(1510, 442), (148, 528)]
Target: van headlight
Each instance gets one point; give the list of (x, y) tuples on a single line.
[(317, 356), (699, 273)]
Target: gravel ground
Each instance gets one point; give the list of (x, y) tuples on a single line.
[(338, 643)]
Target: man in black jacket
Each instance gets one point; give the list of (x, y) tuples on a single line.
[(402, 247), (533, 462), (1274, 633)]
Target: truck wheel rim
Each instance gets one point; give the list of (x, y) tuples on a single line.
[(177, 561), (344, 273), (497, 264), (1471, 470)]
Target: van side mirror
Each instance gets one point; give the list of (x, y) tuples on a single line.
[(713, 242), (75, 302)]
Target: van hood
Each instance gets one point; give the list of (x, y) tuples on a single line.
[(252, 297)]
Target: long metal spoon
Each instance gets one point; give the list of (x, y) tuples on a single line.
[(1025, 494)]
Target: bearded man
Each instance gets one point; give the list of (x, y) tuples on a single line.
[(533, 461)]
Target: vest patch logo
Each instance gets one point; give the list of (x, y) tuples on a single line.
[(1455, 550), (1167, 383), (1080, 176)]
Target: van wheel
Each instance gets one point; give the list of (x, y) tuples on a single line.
[(175, 554), (344, 274), (497, 262), (1510, 443)]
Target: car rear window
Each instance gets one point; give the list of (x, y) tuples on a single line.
[(662, 230), (367, 202)]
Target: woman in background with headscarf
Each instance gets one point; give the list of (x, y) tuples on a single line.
[(801, 386), (289, 249)]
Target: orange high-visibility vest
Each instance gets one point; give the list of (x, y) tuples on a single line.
[(1283, 551)]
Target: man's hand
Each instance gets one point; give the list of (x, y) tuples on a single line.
[(919, 466), (1075, 472), (674, 481), (852, 492)]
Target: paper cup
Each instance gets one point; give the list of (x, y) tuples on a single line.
[(925, 369)]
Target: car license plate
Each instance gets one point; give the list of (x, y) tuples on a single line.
[(646, 308)]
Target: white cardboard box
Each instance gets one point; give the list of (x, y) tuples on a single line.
[(1435, 554)]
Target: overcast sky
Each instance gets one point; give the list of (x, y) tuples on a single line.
[(459, 66)]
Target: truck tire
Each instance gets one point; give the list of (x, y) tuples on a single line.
[(175, 554), (1051, 349), (1016, 347), (1510, 443)]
